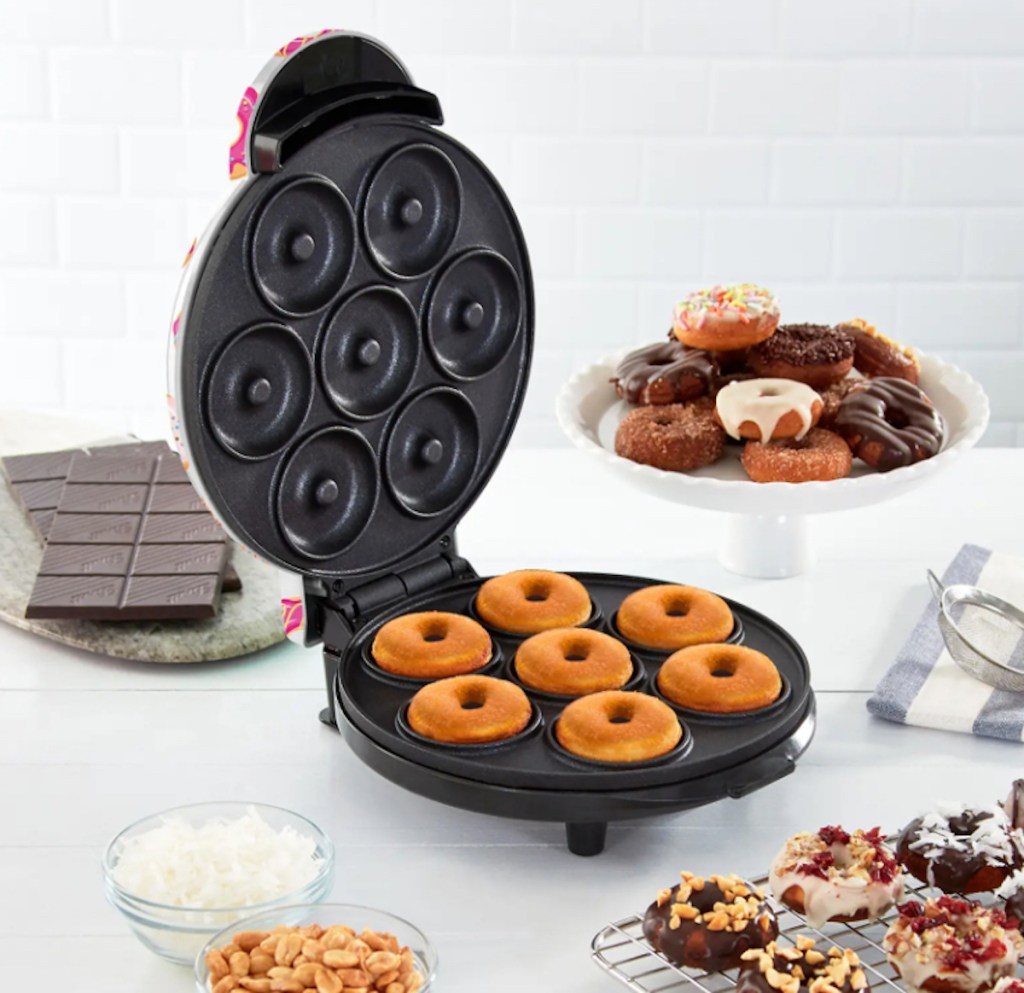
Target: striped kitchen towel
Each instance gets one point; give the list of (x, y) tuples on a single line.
[(926, 687)]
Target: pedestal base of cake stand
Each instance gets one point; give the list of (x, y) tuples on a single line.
[(767, 546)]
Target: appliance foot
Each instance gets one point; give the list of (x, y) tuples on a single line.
[(586, 839), (326, 717)]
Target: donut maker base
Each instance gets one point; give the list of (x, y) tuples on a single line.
[(531, 777), (621, 950)]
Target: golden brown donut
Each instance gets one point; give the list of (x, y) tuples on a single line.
[(532, 600), (670, 616), (877, 355), (676, 437), (819, 455), (720, 679), (618, 726), (430, 645), (469, 710), (573, 661)]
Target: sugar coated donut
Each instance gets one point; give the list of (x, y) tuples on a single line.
[(469, 710), (815, 354), (889, 423), (618, 726), (431, 645), (676, 438), (573, 661), (767, 409), (709, 923), (819, 455), (532, 600), (668, 616), (962, 849), (723, 318), (800, 968), (952, 946), (667, 372), (835, 875), (877, 355), (720, 679)]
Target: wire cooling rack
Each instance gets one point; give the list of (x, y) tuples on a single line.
[(623, 952)]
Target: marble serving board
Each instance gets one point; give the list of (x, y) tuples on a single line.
[(246, 622)]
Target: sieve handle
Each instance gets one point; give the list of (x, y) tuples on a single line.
[(936, 587)]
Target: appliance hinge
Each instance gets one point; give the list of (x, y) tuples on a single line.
[(365, 601)]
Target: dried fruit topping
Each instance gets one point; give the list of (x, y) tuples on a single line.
[(834, 835)]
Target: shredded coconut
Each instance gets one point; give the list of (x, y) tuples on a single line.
[(994, 838)]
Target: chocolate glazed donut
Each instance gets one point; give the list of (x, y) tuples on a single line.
[(667, 372), (890, 423)]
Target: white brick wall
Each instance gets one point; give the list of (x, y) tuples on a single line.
[(861, 156)]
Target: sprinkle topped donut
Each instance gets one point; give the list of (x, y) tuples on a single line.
[(723, 318)]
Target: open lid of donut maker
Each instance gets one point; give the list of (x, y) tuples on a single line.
[(348, 357)]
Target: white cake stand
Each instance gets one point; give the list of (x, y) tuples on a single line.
[(768, 533)]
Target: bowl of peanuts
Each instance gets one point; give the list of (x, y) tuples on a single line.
[(318, 948)]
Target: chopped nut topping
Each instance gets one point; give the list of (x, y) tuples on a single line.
[(803, 942), (813, 957), (663, 897)]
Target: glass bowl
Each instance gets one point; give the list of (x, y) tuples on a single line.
[(327, 914), (178, 933)]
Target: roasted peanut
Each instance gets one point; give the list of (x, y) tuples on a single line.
[(239, 964), (288, 949), (327, 981), (226, 984), (248, 940), (286, 986), (338, 959), (306, 973), (261, 985), (260, 962), (381, 962), (218, 966)]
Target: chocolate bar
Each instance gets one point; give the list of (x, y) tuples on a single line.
[(38, 479), (129, 540)]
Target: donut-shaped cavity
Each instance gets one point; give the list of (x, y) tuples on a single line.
[(369, 351), (412, 210), (474, 314), (259, 390), (432, 451), (303, 245), (327, 493)]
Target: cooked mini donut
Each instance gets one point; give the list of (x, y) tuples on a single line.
[(815, 354), (819, 455), (667, 372), (951, 946), (677, 437), (800, 969), (469, 710), (431, 645), (720, 679), (573, 662), (832, 397), (725, 318), (962, 849), (836, 875), (708, 923), (669, 616), (767, 409), (618, 726), (530, 600), (876, 355)]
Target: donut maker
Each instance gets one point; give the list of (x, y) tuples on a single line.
[(349, 354)]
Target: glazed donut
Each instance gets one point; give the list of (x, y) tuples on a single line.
[(709, 923), (800, 969), (431, 645), (961, 849), (889, 423), (573, 662), (833, 875), (815, 354), (875, 355), (724, 318), (532, 600), (469, 710), (720, 679), (1009, 984), (951, 946), (664, 373), (767, 409), (618, 726), (668, 617), (677, 438), (819, 455)]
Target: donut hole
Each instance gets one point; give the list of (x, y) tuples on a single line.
[(620, 715), (576, 652), (896, 418), (537, 591), (677, 607), (770, 391), (435, 631), (721, 668), (472, 699)]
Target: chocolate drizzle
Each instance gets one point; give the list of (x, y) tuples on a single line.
[(667, 372), (894, 417)]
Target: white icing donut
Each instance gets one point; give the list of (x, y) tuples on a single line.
[(764, 402), (837, 874), (957, 943)]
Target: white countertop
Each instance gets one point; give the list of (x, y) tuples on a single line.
[(89, 744)]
